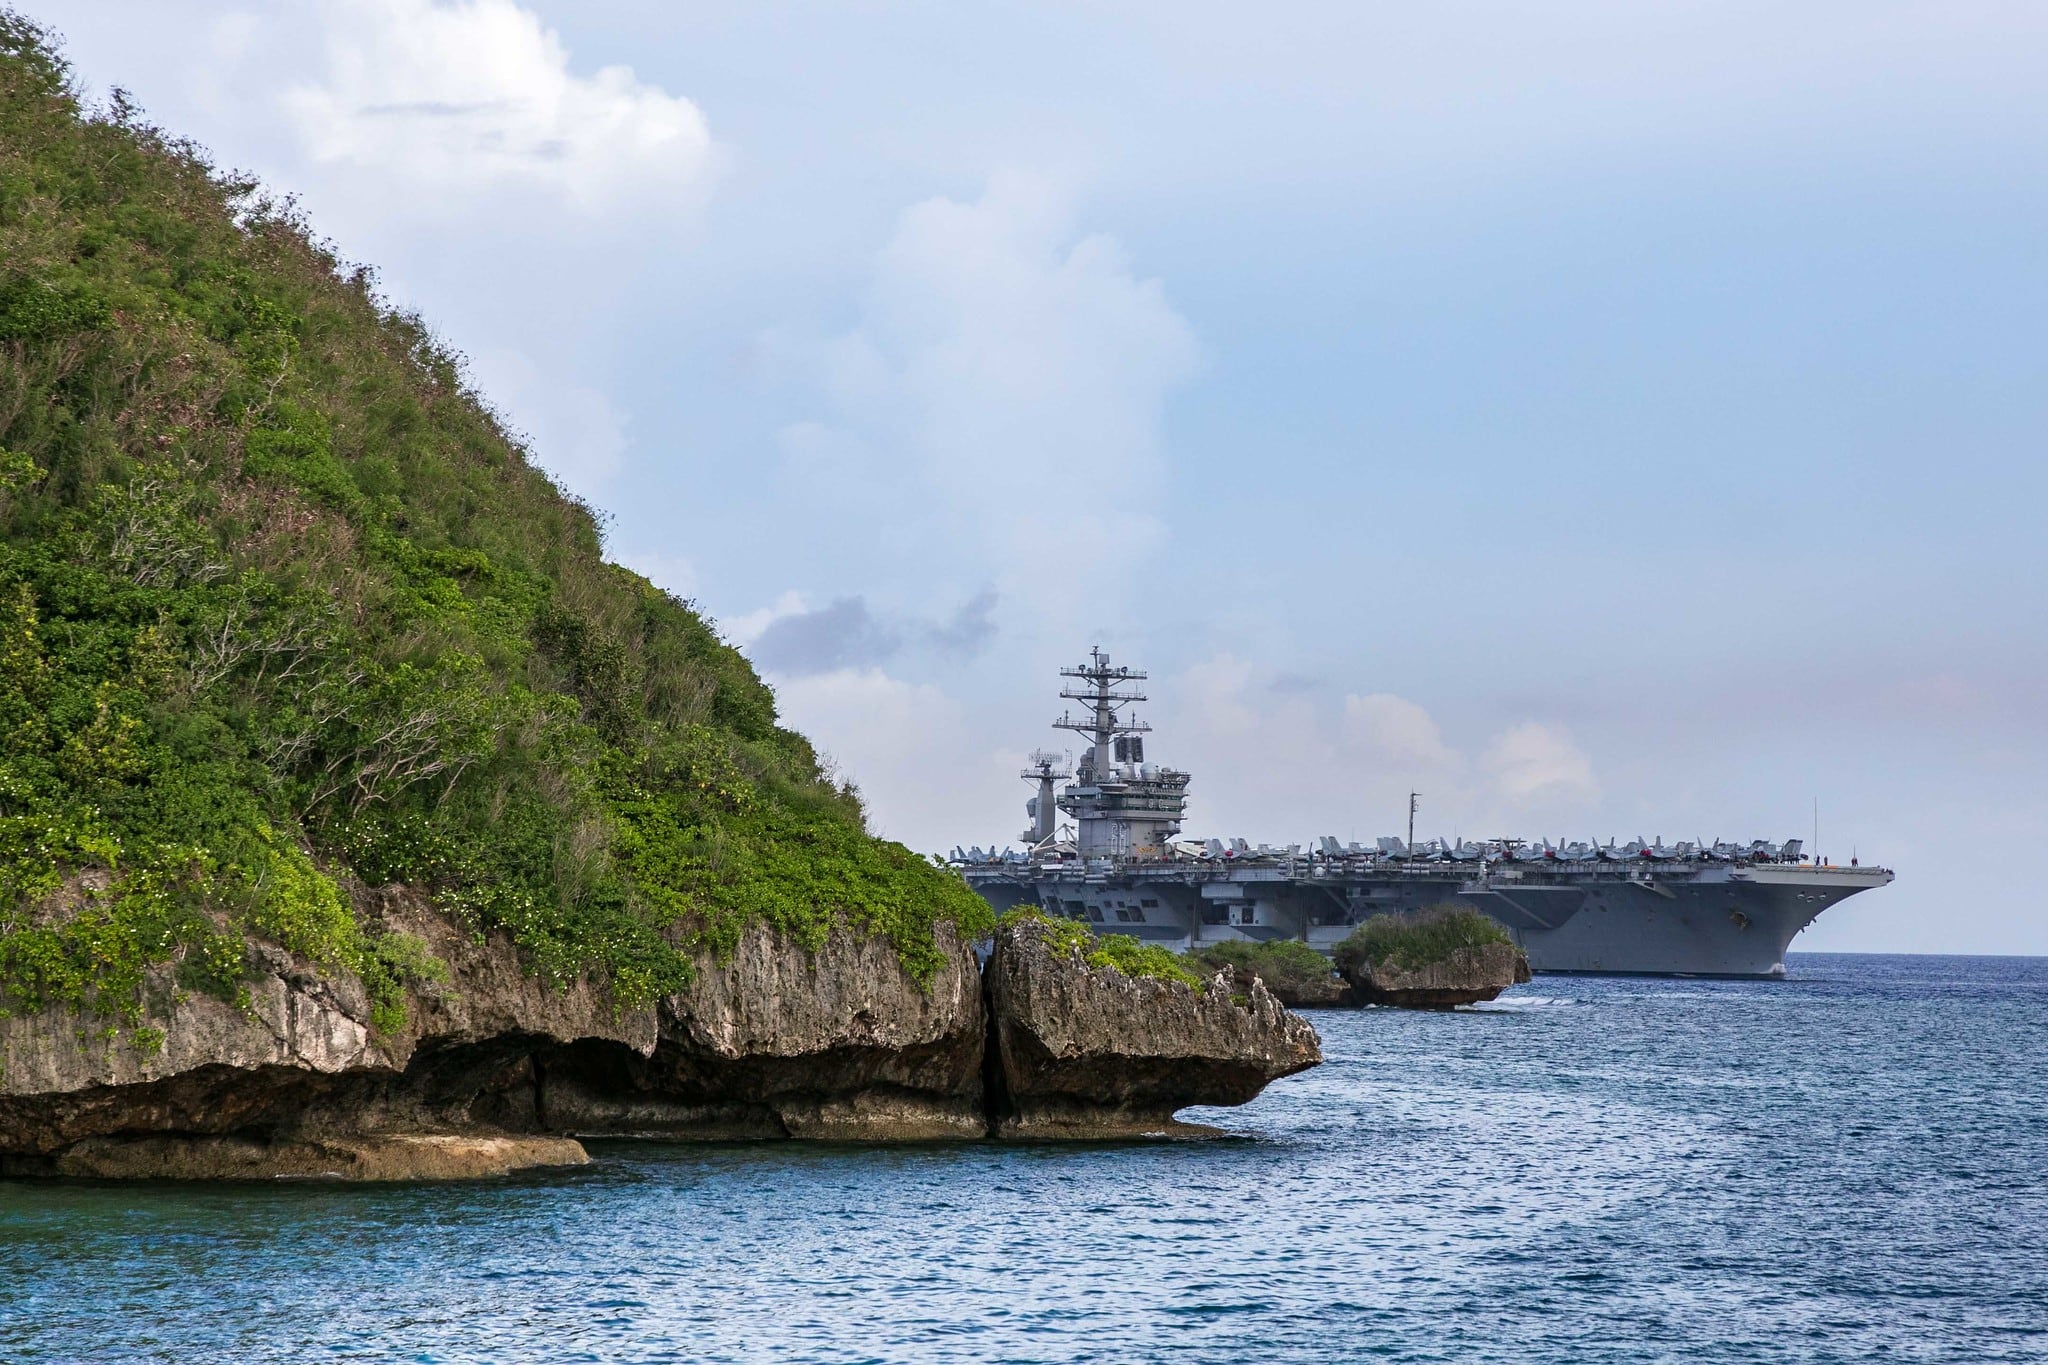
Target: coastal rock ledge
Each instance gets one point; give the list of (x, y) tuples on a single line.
[(1087, 1052), (494, 1071)]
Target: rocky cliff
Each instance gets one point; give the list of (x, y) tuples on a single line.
[(495, 1070), (298, 1081), (772, 1042)]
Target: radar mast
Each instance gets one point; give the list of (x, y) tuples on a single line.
[(1124, 806)]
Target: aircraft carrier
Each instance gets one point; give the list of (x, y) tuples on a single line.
[(1639, 908)]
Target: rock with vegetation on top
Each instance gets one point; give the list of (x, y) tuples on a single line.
[(1436, 958), (303, 1069), (1299, 976), (1106, 1038), (493, 1068)]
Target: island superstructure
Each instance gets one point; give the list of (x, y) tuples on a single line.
[(1641, 907)]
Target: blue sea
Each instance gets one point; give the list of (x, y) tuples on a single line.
[(1850, 1165)]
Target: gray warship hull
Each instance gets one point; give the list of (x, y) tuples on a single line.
[(1690, 920)]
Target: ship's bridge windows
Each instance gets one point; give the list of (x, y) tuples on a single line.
[(1137, 916), (1123, 916), (1095, 915), (1149, 903)]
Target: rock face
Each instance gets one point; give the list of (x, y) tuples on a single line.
[(1466, 977), (299, 1075), (1086, 1052), (495, 1070), (780, 1043)]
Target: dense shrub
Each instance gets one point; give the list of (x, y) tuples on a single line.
[(284, 606), (1418, 939)]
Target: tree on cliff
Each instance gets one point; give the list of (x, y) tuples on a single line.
[(286, 610)]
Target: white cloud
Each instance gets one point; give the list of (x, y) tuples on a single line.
[(572, 431), (1396, 730), (1279, 763), (794, 639), (747, 627), (452, 96), (1536, 762), (929, 778), (1005, 387)]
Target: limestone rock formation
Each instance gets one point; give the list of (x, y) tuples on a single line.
[(777, 1042), (1467, 976), (1087, 1052), (300, 1078), (496, 1070)]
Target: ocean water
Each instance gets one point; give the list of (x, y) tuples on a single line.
[(1850, 1165)]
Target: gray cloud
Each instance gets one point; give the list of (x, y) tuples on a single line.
[(971, 628), (847, 634), (844, 634)]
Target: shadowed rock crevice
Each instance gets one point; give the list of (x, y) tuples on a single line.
[(999, 1108), (920, 1092)]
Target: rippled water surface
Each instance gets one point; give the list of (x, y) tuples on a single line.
[(1849, 1165)]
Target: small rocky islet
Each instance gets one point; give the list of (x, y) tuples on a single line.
[(1437, 958)]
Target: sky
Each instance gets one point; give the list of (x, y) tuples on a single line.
[(1602, 418)]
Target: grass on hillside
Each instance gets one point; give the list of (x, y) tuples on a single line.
[(1415, 940), (285, 607)]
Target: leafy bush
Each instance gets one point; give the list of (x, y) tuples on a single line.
[(1133, 958), (1284, 964), (1414, 940), (390, 965), (284, 608)]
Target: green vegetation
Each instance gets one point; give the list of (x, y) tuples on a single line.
[(1286, 965), (284, 609), (1423, 938), (1118, 951)]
